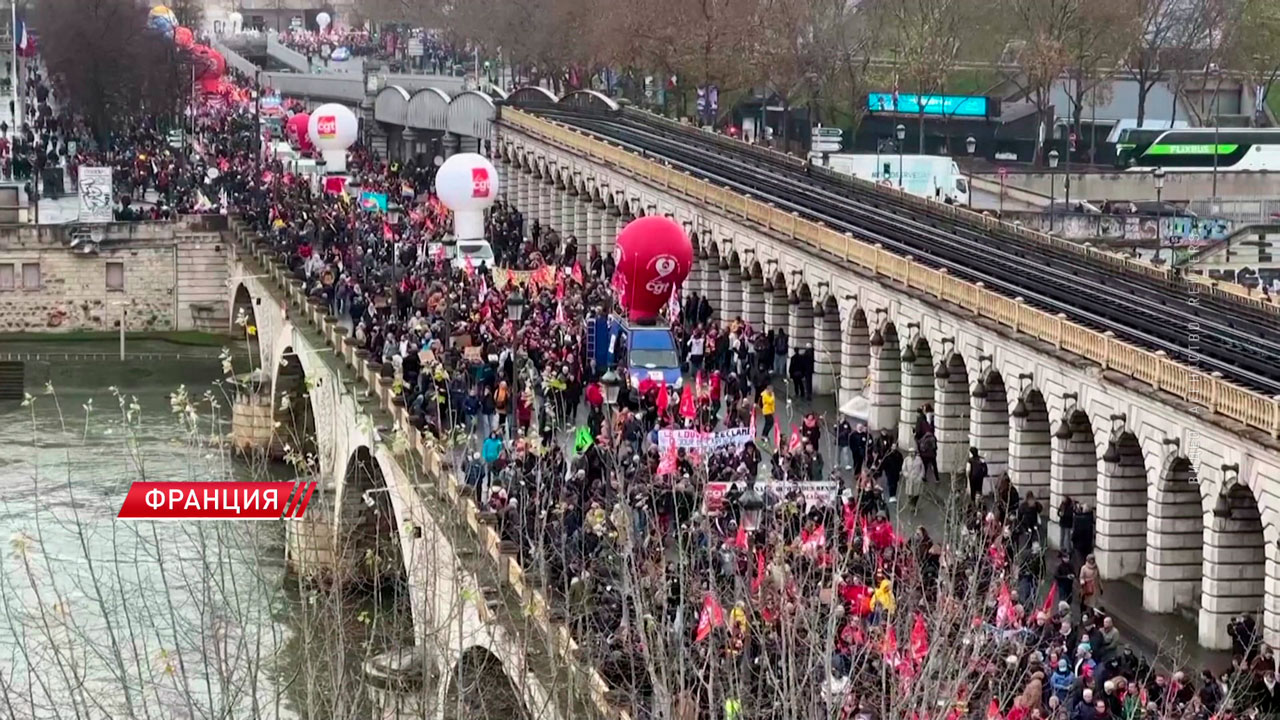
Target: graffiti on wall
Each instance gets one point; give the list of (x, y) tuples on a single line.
[(1176, 231), (1250, 277)]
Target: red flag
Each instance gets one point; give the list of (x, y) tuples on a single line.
[(993, 710), (559, 288), (815, 540), (795, 442), (1050, 599), (576, 273), (919, 639), (849, 521), (712, 616), (700, 389), (663, 399), (866, 537), (889, 646), (777, 437), (759, 578), (1004, 606), (467, 265), (387, 232), (753, 424), (687, 409), (740, 540)]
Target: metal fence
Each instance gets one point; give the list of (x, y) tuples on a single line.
[(1241, 211)]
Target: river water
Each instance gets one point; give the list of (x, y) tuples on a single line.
[(107, 619)]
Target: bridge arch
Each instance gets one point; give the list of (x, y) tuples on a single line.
[(754, 297), (590, 100), (391, 106), (479, 688), (800, 319), (1122, 505), (428, 109), (367, 533), (1236, 557), (1175, 535), (1030, 445), (244, 323), (471, 113), (1073, 471), (295, 412), (951, 410), (917, 386), (731, 286), (989, 420), (532, 96)]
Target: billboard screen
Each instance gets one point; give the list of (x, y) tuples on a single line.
[(946, 105)]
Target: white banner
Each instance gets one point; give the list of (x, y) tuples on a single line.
[(816, 494), (96, 200), (703, 441)]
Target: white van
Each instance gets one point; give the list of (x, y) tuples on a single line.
[(931, 176)]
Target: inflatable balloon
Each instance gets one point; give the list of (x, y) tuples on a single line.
[(183, 37), (164, 12), (210, 65), (162, 25), (654, 257), (323, 20), (332, 129), (296, 130), (467, 184)]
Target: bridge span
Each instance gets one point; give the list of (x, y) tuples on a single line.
[(388, 502)]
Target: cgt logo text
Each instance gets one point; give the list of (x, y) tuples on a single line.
[(480, 186), (327, 126)]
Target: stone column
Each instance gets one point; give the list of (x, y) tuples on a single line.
[(1122, 508), (951, 412), (826, 350), (753, 303), (917, 390), (800, 327), (568, 199), (595, 224), (547, 204), (1235, 567), (522, 192), (989, 423), (449, 145), (409, 139), (699, 272), (581, 225), (1030, 451), (855, 357), (711, 286), (730, 292), (609, 231), (505, 180), (886, 382), (1074, 469), (775, 308), (1175, 538)]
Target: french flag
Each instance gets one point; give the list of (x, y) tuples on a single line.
[(25, 44)]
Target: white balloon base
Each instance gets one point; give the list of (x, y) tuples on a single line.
[(468, 225), (335, 161)]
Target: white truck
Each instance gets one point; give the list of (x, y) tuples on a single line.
[(932, 176)]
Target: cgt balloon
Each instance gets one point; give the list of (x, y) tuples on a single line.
[(183, 37), (654, 257)]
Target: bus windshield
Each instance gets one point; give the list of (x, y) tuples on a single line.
[(1132, 143)]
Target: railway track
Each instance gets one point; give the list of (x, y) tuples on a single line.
[(1213, 333)]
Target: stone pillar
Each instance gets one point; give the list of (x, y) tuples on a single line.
[(1074, 469), (989, 423), (1030, 451), (1175, 538), (730, 292), (1121, 538), (595, 224), (506, 178), (917, 390), (826, 350), (776, 308), (886, 381), (449, 145), (409, 137), (711, 286), (951, 412), (310, 544), (548, 215), (800, 327), (253, 420), (753, 303), (855, 357), (609, 231), (403, 685), (581, 225), (699, 273), (522, 192), (1235, 566)]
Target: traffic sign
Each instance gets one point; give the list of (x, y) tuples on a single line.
[(1004, 171), (828, 132), (175, 138), (826, 146)]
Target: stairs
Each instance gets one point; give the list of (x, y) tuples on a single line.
[(12, 375)]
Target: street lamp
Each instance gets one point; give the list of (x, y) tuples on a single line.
[(970, 144), (1157, 176), (752, 507), (901, 132), (515, 313), (612, 385), (1053, 182)]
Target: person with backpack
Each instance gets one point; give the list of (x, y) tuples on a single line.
[(977, 475)]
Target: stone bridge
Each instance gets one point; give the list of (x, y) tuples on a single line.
[(388, 503), (1181, 469)]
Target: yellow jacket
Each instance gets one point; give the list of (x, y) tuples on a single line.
[(767, 402), (883, 597)]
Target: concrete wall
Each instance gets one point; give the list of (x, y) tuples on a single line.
[(1178, 186), (1127, 229), (174, 278)]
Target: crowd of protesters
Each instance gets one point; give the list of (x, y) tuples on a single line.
[(403, 50), (785, 591)]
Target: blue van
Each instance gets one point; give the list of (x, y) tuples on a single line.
[(649, 351)]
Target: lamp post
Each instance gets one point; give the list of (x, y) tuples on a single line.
[(1157, 176), (515, 313), (970, 144), (901, 133), (1053, 183), (752, 507), (612, 386)]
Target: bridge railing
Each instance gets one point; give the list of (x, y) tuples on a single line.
[(1153, 368)]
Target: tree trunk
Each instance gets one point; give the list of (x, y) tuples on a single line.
[(1143, 89)]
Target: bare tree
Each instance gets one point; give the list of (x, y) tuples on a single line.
[(1152, 24), (1042, 56), (1255, 47)]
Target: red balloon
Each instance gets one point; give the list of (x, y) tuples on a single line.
[(209, 63), (183, 37), (296, 129), (654, 257)]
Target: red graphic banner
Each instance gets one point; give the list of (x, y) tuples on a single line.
[(217, 500)]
